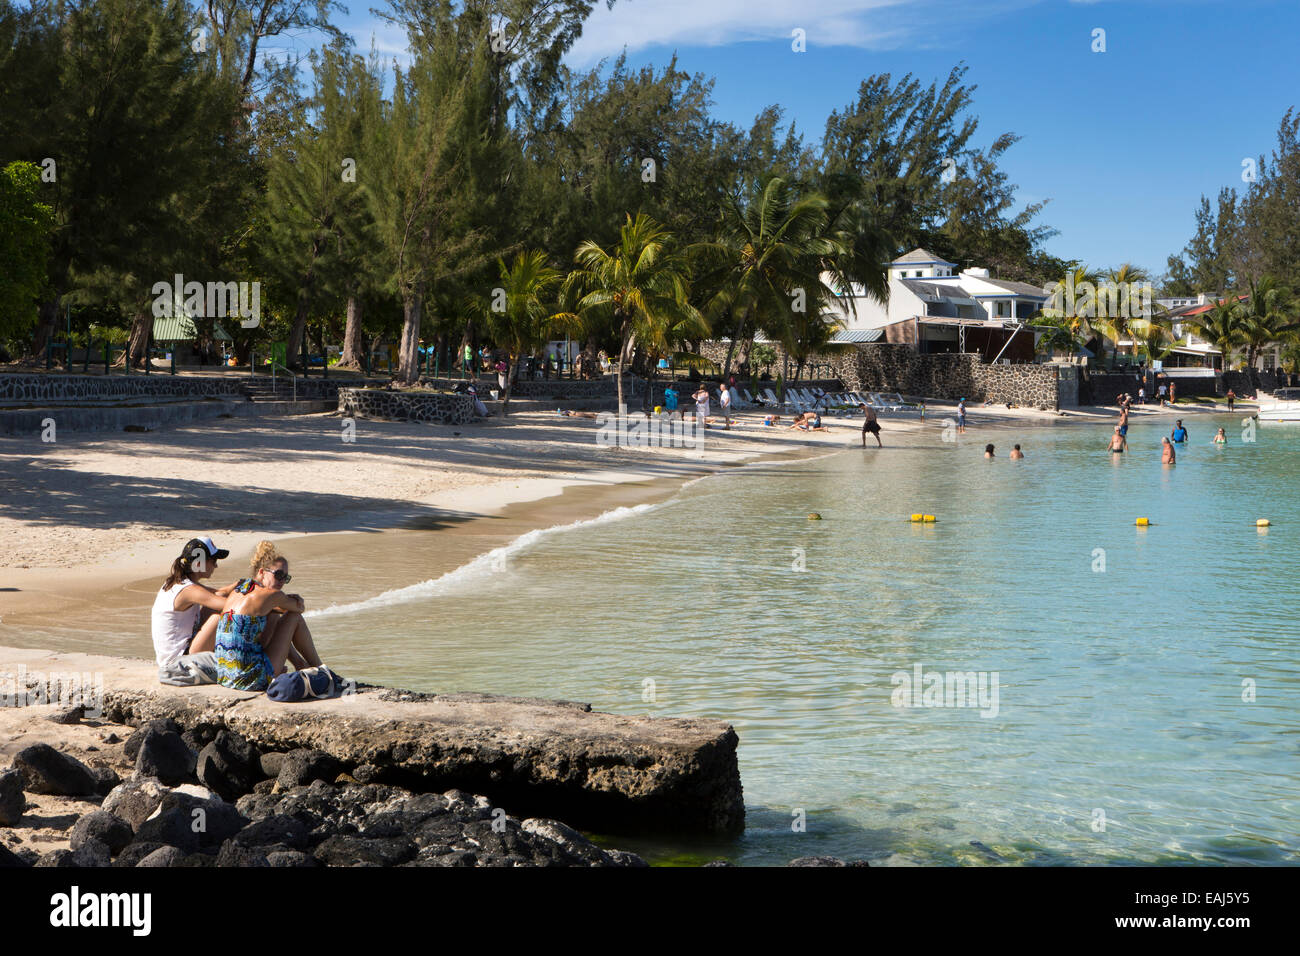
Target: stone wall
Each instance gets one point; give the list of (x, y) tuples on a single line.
[(443, 408), (1240, 382), (885, 367), (32, 389)]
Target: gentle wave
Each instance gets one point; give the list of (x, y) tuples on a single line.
[(485, 564)]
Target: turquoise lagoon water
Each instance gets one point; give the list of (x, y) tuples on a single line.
[(1120, 734)]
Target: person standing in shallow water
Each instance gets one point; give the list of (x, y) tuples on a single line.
[(1118, 443), (988, 451), (1167, 456), (1017, 454), (871, 425)]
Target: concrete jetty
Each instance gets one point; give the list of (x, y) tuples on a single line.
[(599, 771)]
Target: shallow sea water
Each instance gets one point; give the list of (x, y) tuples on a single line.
[(1122, 654)]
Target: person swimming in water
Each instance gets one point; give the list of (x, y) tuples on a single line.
[(1167, 456), (1179, 434), (1220, 438), (1016, 453), (1118, 443), (988, 451)]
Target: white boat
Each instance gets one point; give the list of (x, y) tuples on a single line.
[(1282, 407)]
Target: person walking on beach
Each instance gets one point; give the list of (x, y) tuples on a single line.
[(871, 425), (1232, 397), (1162, 391), (724, 399), (670, 400), (1017, 454), (961, 417), (1179, 434), (1142, 395), (701, 397), (1118, 443), (1167, 456), (1172, 388)]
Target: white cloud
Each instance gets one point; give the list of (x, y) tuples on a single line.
[(871, 24)]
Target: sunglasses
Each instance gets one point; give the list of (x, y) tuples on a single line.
[(284, 577)]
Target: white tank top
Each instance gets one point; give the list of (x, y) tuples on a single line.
[(172, 629)]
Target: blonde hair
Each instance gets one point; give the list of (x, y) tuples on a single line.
[(264, 556)]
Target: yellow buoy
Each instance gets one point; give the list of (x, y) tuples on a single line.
[(814, 516), (928, 519), (917, 517), (1143, 522), (1262, 523)]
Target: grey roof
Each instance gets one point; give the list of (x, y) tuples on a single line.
[(937, 292), (920, 255), (846, 336), (1019, 288)]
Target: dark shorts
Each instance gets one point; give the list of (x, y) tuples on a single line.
[(1123, 429), (873, 427)]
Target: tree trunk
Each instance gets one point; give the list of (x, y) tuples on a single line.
[(137, 346), (408, 356), (735, 340), (294, 352), (48, 318), (353, 346), (512, 363)]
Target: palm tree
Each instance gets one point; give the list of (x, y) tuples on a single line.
[(640, 287), (1072, 329), (1153, 338), (1221, 326), (1122, 322), (765, 253), (523, 318), (1264, 319)]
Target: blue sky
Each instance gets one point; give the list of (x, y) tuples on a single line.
[(1123, 142)]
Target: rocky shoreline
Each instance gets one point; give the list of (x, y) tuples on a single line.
[(191, 801)]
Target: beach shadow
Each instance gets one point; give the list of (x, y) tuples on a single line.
[(102, 500)]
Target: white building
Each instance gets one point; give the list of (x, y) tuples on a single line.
[(935, 308)]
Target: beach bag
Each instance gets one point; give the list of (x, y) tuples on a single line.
[(190, 670), (311, 683)]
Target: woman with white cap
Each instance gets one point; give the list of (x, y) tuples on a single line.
[(176, 608)]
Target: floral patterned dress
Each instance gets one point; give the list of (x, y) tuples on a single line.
[(241, 660)]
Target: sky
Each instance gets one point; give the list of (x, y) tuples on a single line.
[(1122, 142)]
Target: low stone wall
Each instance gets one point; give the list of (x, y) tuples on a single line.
[(884, 367), (443, 408), (36, 421), (32, 389)]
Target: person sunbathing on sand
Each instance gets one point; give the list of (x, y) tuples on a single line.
[(262, 627), (568, 413)]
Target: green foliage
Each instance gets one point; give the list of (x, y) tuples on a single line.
[(25, 223)]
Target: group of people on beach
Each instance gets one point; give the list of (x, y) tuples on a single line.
[(254, 627)]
